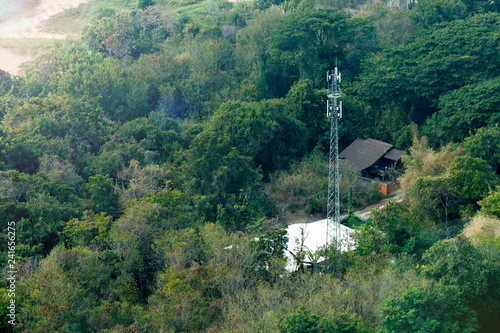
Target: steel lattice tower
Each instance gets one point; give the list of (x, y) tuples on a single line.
[(334, 112)]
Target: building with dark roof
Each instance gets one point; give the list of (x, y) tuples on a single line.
[(373, 158)]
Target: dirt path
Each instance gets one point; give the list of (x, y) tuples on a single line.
[(27, 23), (365, 213), (312, 233)]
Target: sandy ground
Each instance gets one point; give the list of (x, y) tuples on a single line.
[(12, 62), (365, 213), (27, 24)]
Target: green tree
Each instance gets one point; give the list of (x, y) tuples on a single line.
[(43, 229), (371, 241), (433, 62), (262, 131), (250, 53), (132, 237), (113, 35), (459, 264), (52, 301), (490, 205), (187, 299), (451, 194), (270, 249), (433, 309), (117, 315), (5, 302), (304, 103), (304, 45), (20, 156), (141, 4), (61, 125), (485, 144), (10, 211), (134, 234), (472, 177), (435, 198), (175, 206), (201, 73), (394, 25), (87, 268), (481, 6), (116, 153), (464, 111), (92, 229), (432, 12), (5, 82), (395, 229), (248, 208), (102, 195), (301, 320), (155, 134), (350, 212), (89, 75), (217, 168)]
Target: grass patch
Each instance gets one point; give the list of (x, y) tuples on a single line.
[(30, 46), (196, 11), (116, 4), (177, 3), (71, 21)]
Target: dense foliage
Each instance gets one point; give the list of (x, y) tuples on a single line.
[(150, 164)]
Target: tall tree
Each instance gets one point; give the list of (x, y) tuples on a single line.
[(433, 62), (304, 45), (262, 131), (463, 111)]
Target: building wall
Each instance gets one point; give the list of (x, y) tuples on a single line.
[(387, 188)]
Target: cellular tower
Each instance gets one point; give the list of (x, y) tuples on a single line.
[(334, 112)]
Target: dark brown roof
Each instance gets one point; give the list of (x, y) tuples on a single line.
[(364, 153), (394, 154)]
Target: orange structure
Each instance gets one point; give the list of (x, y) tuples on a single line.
[(387, 188)]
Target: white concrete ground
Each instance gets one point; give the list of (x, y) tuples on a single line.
[(314, 238), (315, 232)]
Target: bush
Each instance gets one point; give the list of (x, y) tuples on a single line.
[(301, 320), (304, 188)]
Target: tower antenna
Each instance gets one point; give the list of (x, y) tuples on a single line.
[(334, 112)]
